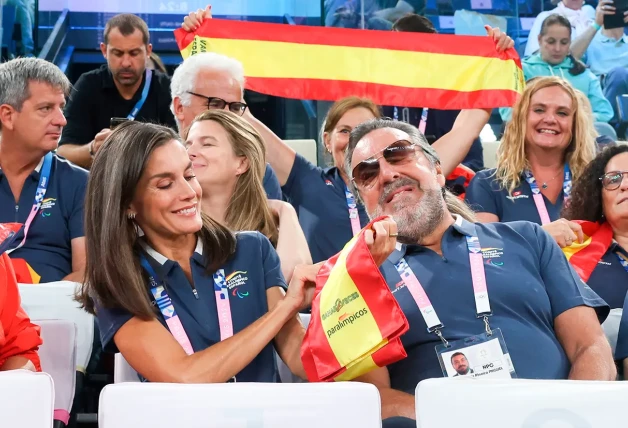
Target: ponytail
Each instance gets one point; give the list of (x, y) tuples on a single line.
[(577, 68)]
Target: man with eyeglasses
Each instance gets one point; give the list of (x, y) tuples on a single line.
[(501, 293), (207, 81), (122, 89)]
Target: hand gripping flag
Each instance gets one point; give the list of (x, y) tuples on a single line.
[(402, 69), (584, 257), (356, 322)]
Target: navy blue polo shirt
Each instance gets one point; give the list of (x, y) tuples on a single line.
[(271, 184), (48, 248), (318, 195), (529, 282), (485, 194), (253, 269), (621, 351), (609, 279)]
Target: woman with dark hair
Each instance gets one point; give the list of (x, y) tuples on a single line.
[(178, 294), (600, 195), (554, 59)]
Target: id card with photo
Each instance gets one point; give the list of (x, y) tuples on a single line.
[(481, 356)]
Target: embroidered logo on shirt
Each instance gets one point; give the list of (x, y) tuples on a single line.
[(604, 263), (398, 286), (235, 281), (517, 195), (329, 183), (47, 204), (490, 254)]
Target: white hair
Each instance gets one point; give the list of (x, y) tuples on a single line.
[(184, 77)]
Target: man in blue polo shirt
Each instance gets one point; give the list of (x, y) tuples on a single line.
[(213, 81), (37, 188), (502, 294)]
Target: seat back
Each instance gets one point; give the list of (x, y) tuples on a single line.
[(26, 399), (122, 371), (519, 403), (490, 153), (55, 300), (158, 405), (306, 148), (285, 374), (58, 359)]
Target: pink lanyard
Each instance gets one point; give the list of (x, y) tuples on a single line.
[(173, 322), (353, 212), (538, 196), (480, 291), (40, 193)]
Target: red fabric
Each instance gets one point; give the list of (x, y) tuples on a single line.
[(586, 260), (462, 175), (18, 336)]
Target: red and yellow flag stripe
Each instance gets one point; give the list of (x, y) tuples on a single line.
[(585, 257), (356, 323), (403, 69)]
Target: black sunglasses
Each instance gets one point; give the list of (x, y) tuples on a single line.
[(215, 103), (612, 179), (366, 172)]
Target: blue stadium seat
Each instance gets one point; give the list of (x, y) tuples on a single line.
[(8, 22)]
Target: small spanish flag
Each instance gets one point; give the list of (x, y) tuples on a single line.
[(356, 322), (584, 257), (403, 69)]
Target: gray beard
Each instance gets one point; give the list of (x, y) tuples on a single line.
[(415, 222)]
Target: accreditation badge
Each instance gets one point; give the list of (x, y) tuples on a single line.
[(482, 356)]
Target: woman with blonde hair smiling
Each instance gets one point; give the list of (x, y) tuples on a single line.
[(546, 145), (229, 163)]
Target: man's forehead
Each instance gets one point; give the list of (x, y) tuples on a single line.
[(375, 141), (214, 79), (116, 40)]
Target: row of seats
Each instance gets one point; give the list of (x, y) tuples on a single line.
[(26, 400)]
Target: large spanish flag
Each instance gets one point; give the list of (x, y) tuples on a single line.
[(356, 322), (391, 68), (584, 257)]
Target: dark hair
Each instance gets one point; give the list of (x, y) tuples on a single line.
[(113, 274), (454, 204), (413, 23), (127, 23), (585, 202), (159, 64), (555, 19), (457, 354)]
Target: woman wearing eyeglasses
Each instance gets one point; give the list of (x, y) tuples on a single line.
[(546, 145), (600, 195), (228, 158)]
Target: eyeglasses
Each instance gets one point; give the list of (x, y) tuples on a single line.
[(612, 179), (366, 172), (215, 103)]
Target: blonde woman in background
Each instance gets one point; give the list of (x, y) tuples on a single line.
[(546, 145), (229, 163)]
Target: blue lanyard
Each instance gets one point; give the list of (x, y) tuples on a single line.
[(140, 103), (44, 179), (535, 187)]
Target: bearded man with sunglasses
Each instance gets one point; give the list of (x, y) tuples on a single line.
[(501, 293)]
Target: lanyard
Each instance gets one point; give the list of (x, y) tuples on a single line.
[(538, 197), (170, 314), (39, 197), (353, 212), (480, 291), (140, 102), (423, 122), (405, 112)]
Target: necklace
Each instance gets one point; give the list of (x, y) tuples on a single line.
[(545, 183)]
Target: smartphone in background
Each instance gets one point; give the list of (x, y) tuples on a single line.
[(616, 20), (115, 121)]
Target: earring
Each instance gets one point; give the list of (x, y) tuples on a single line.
[(131, 216)]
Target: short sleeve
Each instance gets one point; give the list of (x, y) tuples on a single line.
[(109, 322), (480, 194), (79, 129), (75, 222), (273, 276), (271, 184), (621, 351), (563, 285), (301, 173)]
